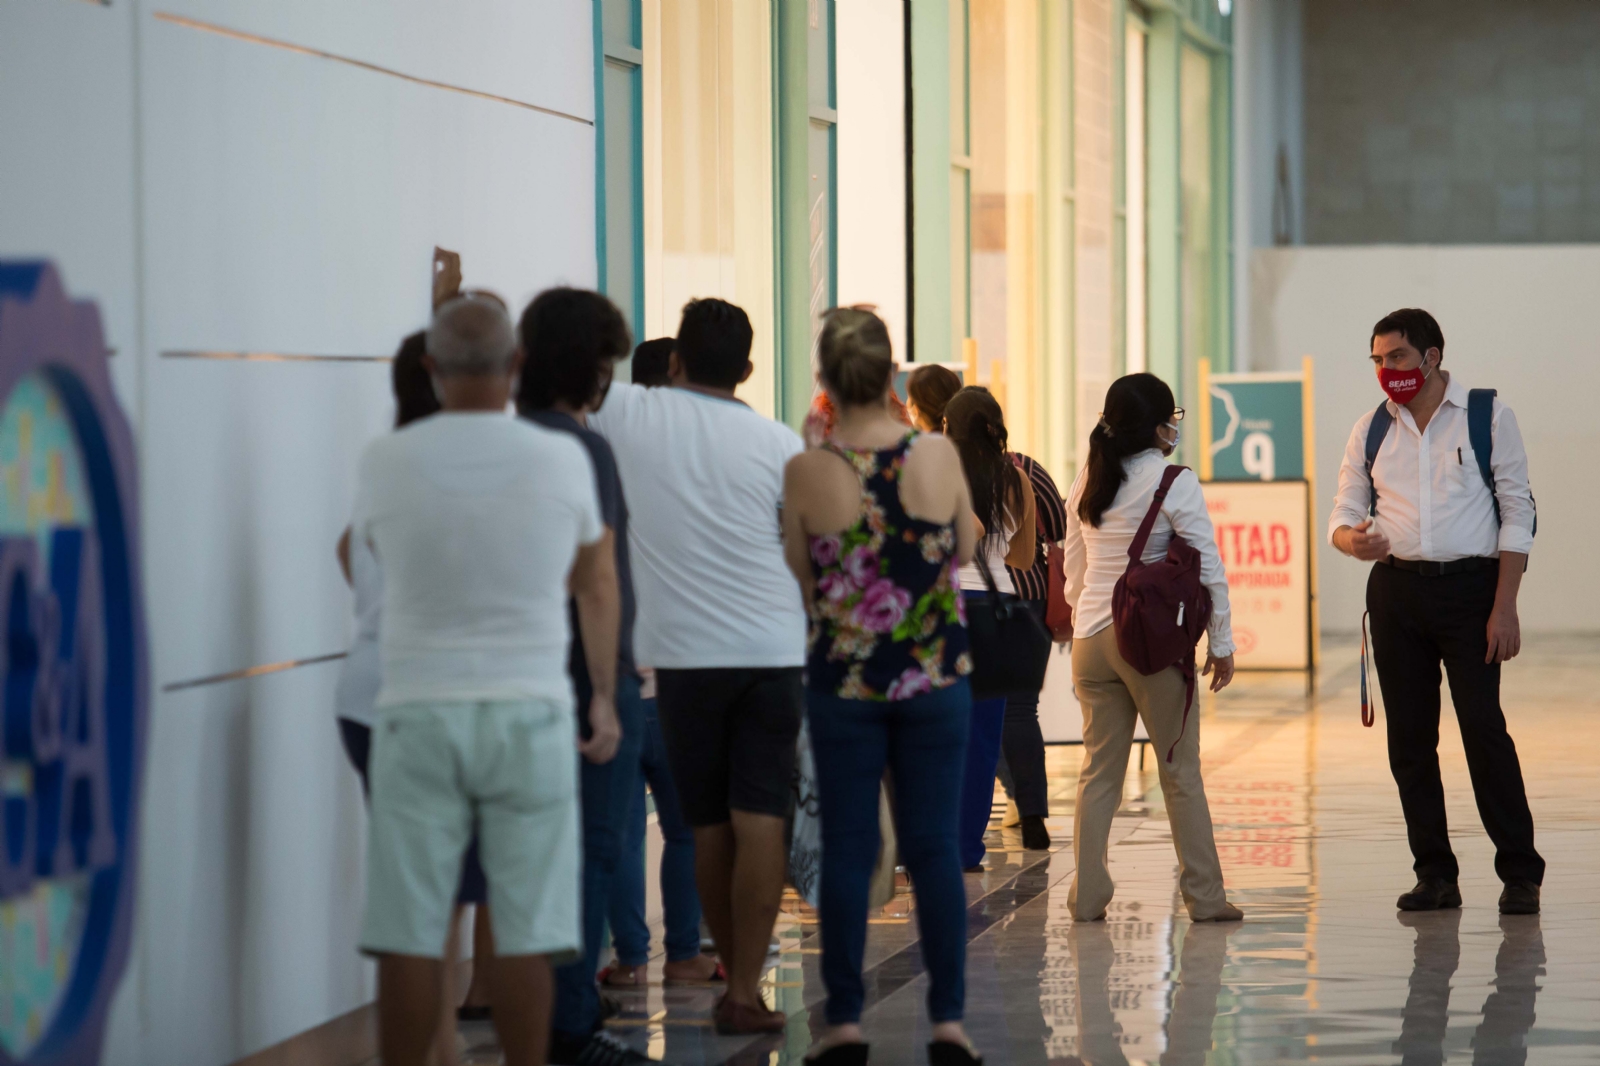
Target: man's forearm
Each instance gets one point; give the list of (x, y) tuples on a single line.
[(600, 622), (1341, 539), (1512, 565)]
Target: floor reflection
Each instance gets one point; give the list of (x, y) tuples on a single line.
[(1313, 848)]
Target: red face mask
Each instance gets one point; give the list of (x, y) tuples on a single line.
[(1402, 386)]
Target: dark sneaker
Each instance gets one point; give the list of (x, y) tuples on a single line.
[(1431, 894), (1035, 836), (1520, 897), (600, 1049)]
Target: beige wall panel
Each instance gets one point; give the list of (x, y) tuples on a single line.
[(708, 169)]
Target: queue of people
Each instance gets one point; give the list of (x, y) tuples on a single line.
[(650, 584)]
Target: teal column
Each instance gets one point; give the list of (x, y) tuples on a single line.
[(792, 125), (932, 317), (1164, 263)]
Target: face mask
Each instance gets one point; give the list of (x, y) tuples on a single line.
[(1177, 435), (1402, 386)]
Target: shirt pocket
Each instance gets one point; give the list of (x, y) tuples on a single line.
[(1466, 482)]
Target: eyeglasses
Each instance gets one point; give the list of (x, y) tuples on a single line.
[(1177, 414)]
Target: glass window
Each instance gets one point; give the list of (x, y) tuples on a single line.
[(821, 149), (619, 159), (1134, 201), (1200, 297)]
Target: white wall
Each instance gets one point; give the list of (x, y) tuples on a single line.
[(1521, 319), (214, 192), (870, 82)]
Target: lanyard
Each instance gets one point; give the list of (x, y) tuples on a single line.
[(1368, 698)]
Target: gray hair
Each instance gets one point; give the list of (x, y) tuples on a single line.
[(471, 335)]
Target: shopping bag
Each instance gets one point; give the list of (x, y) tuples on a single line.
[(805, 834)]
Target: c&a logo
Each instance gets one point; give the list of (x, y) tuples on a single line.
[(73, 675)]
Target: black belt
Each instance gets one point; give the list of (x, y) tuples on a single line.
[(1432, 569)]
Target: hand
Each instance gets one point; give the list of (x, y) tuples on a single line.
[(1222, 669), (1505, 635), (1368, 547), (605, 732)]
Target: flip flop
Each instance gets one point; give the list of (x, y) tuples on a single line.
[(718, 976)]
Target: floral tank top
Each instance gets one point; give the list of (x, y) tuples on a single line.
[(887, 619)]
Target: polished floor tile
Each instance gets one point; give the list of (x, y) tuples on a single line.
[(1324, 969)]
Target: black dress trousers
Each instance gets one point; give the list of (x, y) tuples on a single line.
[(1417, 623)]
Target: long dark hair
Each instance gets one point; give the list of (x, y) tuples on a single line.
[(977, 426), (413, 387), (931, 388), (1136, 406)]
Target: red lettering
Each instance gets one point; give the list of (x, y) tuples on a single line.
[(1235, 530), (1279, 535), (1258, 549)]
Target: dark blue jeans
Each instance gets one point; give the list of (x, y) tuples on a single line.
[(606, 790), (680, 899), (983, 758), (922, 743)]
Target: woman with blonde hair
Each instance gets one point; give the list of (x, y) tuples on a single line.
[(876, 521)]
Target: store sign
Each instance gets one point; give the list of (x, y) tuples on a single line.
[(1257, 427), (1262, 534), (73, 675)]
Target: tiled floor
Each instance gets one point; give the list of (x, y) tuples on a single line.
[(1323, 968)]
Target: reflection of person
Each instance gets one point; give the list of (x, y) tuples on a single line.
[(482, 523), (876, 522), (1508, 1011), (1194, 1003), (1003, 501), (1099, 1034), (1105, 509), (1450, 555), (721, 621)]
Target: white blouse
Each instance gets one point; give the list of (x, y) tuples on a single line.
[(1096, 558)]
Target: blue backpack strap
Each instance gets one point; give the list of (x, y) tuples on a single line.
[(1480, 434), (1379, 429)]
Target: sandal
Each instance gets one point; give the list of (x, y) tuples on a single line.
[(640, 976), (718, 976)]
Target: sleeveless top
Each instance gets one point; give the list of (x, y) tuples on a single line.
[(887, 620)]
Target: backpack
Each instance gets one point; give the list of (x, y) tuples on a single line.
[(1161, 608), (1480, 434)]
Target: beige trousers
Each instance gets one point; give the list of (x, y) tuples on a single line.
[(1114, 696)]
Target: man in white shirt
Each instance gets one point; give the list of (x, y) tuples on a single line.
[(721, 621), (1450, 553), (480, 521)]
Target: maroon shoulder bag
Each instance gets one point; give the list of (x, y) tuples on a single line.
[(1161, 608)]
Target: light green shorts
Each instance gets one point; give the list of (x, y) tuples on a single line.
[(437, 768)]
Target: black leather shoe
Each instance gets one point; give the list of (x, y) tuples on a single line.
[(1520, 897), (1431, 894), (1035, 835), (841, 1055)]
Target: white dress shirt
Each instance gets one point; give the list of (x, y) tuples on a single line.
[(1432, 502), (1096, 558)]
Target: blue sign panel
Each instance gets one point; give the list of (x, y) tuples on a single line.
[(73, 675), (1257, 427)]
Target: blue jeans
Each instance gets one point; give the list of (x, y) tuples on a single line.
[(606, 791), (921, 742), (680, 898)]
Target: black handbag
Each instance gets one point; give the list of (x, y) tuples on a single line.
[(1010, 645)]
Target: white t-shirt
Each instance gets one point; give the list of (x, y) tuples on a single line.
[(476, 519), (360, 674), (704, 478)]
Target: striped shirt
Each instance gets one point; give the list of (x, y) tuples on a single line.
[(1034, 582)]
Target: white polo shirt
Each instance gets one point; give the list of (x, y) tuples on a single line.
[(1432, 502), (704, 478)]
